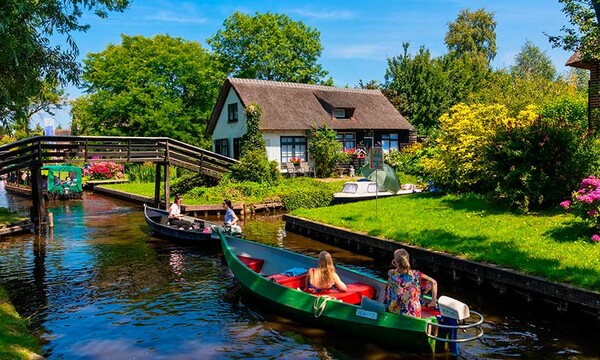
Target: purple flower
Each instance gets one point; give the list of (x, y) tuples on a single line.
[(595, 238), (592, 212)]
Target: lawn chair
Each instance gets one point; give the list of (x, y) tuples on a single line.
[(306, 170), (291, 170)]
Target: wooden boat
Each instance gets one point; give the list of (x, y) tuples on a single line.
[(276, 278), (157, 220), (359, 190)]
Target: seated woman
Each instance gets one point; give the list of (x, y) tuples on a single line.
[(175, 216), (404, 287), (324, 276), (230, 216)]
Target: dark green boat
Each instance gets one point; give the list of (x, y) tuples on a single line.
[(276, 278)]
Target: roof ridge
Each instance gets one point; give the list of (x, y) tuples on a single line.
[(300, 85)]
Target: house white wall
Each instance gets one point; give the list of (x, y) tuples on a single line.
[(273, 141), (230, 130)]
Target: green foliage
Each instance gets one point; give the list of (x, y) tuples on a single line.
[(324, 150), (31, 52), (572, 107), (269, 47), (16, 341), (149, 87), (417, 86), (253, 140), (582, 35), (255, 166), (306, 198), (406, 160), (138, 173), (536, 165), (472, 34), (532, 62)]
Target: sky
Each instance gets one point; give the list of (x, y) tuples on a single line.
[(357, 36)]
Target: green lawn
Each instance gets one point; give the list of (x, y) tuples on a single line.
[(550, 244), (16, 342)]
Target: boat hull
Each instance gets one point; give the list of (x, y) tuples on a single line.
[(157, 219), (376, 326)]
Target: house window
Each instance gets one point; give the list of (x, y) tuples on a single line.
[(236, 148), (339, 113), (222, 147), (348, 140), (293, 147), (389, 141), (232, 112)]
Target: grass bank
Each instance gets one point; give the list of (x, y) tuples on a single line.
[(550, 244), (16, 342)]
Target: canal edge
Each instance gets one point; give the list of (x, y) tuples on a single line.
[(563, 297)]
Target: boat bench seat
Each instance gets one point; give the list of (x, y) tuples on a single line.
[(354, 293), (294, 282), (254, 264)]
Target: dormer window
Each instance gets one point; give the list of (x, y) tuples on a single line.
[(339, 113)]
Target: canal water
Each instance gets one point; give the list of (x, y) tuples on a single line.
[(96, 286)]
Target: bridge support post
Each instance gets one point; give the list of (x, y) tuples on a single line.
[(157, 180), (167, 187), (38, 210)]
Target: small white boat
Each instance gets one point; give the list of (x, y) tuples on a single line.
[(360, 190)]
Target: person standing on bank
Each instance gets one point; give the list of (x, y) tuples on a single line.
[(175, 216), (230, 216), (405, 286)]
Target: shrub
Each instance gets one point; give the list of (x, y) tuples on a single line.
[(324, 149), (585, 203), (406, 160), (533, 166), (103, 171), (255, 166), (307, 198), (145, 172)]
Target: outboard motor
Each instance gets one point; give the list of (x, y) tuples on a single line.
[(454, 316)]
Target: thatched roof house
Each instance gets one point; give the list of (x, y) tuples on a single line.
[(289, 110)]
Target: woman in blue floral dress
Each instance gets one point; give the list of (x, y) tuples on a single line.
[(405, 286)]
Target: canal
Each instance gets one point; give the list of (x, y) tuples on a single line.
[(96, 286)]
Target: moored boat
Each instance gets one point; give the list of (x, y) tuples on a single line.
[(276, 278), (201, 231)]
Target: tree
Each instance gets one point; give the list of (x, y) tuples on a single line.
[(417, 86), (324, 149), (269, 47), (582, 35), (472, 34), (532, 62), (28, 57), (160, 86)]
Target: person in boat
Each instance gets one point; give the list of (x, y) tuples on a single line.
[(175, 216), (405, 286), (231, 218), (323, 277)]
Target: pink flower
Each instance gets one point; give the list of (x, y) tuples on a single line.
[(565, 203), (592, 212), (595, 238)]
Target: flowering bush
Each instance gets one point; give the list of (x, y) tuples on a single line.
[(296, 161), (585, 203), (103, 171)]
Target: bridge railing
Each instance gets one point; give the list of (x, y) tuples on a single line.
[(86, 149)]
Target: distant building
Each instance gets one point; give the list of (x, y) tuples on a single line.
[(289, 110)]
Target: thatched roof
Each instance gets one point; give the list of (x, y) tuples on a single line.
[(576, 61), (291, 106)]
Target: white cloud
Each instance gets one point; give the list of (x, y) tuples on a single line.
[(362, 51), (169, 16)]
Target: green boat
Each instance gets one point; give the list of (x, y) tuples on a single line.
[(276, 278)]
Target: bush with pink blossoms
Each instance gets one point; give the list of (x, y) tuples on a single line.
[(585, 203), (103, 171)]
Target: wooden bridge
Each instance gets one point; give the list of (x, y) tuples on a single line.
[(32, 153)]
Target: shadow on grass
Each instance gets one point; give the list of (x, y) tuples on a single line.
[(569, 232)]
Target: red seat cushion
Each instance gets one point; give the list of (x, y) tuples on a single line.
[(353, 294), (252, 263), (293, 282)]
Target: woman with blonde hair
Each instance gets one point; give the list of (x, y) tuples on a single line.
[(323, 277), (405, 286)]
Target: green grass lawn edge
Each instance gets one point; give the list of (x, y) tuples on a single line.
[(550, 244), (16, 341)]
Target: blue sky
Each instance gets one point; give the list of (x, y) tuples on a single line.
[(357, 36)]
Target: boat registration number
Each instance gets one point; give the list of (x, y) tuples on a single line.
[(366, 314)]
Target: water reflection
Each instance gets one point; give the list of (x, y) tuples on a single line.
[(97, 287)]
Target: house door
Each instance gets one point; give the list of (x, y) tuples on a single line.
[(368, 142)]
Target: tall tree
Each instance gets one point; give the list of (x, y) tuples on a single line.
[(532, 62), (29, 55), (160, 86), (583, 32), (417, 86), (269, 47), (473, 34)]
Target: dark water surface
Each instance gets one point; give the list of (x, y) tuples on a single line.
[(98, 287)]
